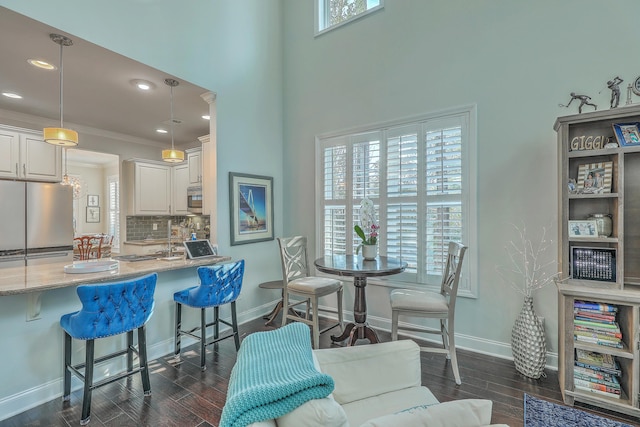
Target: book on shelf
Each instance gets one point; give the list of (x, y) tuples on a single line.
[(590, 323), (595, 359), (594, 386), (597, 321), (598, 341), (598, 392), (597, 333), (613, 382), (589, 305), (594, 315), (614, 371), (594, 374)]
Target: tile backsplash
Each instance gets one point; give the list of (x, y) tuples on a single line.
[(142, 227)]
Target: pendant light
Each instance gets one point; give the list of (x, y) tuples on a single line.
[(61, 136), (71, 181), (173, 155)]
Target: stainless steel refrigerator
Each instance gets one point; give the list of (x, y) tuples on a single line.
[(36, 223)]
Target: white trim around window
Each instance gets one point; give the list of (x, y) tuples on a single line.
[(364, 161)]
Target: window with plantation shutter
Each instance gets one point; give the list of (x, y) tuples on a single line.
[(114, 210), (418, 174)]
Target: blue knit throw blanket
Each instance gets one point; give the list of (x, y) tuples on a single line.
[(273, 375)]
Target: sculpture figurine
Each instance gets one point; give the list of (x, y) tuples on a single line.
[(615, 91), (584, 100)]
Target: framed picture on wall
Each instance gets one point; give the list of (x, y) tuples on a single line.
[(93, 214), (93, 200), (251, 205)]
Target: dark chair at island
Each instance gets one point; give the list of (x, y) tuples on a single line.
[(107, 310)]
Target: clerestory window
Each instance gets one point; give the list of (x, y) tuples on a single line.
[(333, 13)]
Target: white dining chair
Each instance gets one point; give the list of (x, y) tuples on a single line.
[(435, 305)]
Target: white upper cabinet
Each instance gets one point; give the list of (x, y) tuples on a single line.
[(180, 184), (24, 155), (194, 159), (148, 188)]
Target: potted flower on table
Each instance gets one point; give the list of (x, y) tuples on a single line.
[(367, 230)]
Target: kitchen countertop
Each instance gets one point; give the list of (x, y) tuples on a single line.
[(35, 278)]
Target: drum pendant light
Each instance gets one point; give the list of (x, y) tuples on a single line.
[(173, 155), (60, 135)]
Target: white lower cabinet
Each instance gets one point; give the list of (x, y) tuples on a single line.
[(24, 155)]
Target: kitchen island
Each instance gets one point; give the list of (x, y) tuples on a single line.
[(20, 280), (32, 300)]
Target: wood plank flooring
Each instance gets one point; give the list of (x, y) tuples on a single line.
[(182, 395)]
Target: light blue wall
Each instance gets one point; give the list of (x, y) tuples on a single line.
[(516, 60)]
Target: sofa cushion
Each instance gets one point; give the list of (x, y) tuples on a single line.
[(400, 359), (362, 410), (457, 413), (317, 412)]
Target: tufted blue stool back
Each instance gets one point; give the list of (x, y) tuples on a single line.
[(108, 309), (219, 285), (111, 309)]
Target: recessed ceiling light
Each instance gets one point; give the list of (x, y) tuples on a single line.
[(41, 64), (206, 117), (12, 95), (143, 85), (161, 130)]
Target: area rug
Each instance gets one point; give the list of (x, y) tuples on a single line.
[(540, 413)]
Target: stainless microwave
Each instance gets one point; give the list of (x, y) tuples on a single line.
[(194, 199)]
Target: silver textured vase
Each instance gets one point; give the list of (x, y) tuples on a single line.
[(528, 343)]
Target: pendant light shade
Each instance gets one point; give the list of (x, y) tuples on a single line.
[(173, 155), (60, 135)]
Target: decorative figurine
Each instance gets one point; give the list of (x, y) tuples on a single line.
[(615, 91), (629, 88), (584, 100)]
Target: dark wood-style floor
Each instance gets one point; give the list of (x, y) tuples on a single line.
[(182, 395)]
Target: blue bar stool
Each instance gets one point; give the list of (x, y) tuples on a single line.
[(108, 309), (219, 284)]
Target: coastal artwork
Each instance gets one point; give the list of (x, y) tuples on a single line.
[(251, 203), (252, 209)]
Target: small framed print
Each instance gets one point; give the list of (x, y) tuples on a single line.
[(93, 200), (627, 133), (93, 214), (583, 228), (595, 178)]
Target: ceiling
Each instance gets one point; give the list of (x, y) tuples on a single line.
[(98, 92)]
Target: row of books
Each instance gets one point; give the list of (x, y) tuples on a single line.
[(596, 323), (597, 373)]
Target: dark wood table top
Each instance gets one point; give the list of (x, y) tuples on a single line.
[(356, 266)]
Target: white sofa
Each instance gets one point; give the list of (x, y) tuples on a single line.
[(379, 386)]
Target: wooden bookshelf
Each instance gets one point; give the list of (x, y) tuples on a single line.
[(622, 203)]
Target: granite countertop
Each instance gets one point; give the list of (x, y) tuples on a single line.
[(35, 278)]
